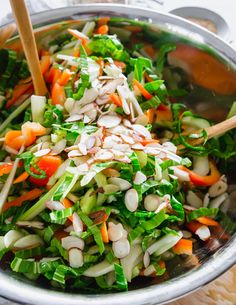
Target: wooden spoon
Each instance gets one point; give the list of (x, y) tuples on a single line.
[(213, 131), (29, 45)]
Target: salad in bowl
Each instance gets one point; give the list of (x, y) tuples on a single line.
[(104, 182)]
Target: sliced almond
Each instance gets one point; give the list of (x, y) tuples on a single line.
[(30, 224), (82, 148), (59, 147), (137, 146), (104, 155), (139, 178), (75, 258), (131, 200), (203, 233), (11, 237), (86, 108), (42, 152), (28, 242), (127, 139), (142, 131), (92, 114), (70, 242), (127, 123), (109, 121), (83, 167), (74, 153), (86, 119), (146, 259), (74, 118), (121, 183)]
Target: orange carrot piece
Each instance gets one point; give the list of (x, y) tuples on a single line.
[(6, 168), (199, 180), (68, 204), (141, 88), (104, 232), (31, 195), (79, 36), (65, 76), (115, 99), (145, 142), (53, 75), (45, 63), (207, 221), (58, 94), (103, 21), (120, 64), (148, 48), (36, 128), (183, 246), (164, 115), (17, 92), (151, 114), (26, 136), (21, 178), (76, 53), (162, 264), (193, 226), (103, 29), (14, 139)]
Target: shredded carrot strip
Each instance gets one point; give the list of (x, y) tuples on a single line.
[(68, 204), (31, 195), (21, 178), (79, 36), (104, 232), (144, 92), (207, 221), (17, 92), (115, 99)]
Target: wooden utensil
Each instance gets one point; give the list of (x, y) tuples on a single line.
[(6, 33), (29, 45), (213, 131)]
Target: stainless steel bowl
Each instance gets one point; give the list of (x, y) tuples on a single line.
[(212, 266)]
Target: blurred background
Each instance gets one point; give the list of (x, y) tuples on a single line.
[(218, 16)]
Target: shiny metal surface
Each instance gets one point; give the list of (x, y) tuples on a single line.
[(18, 290)]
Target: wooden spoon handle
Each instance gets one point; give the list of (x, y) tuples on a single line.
[(221, 128), (29, 45), (6, 33), (213, 131)]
